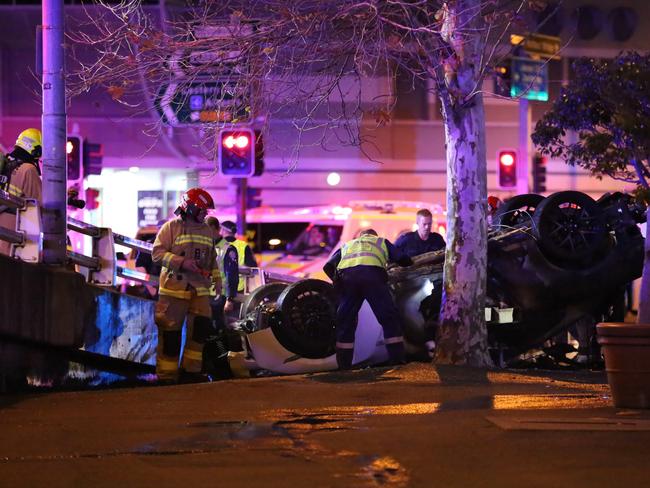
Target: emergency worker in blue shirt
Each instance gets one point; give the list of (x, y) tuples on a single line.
[(224, 291), (423, 240), (244, 252), (184, 246), (358, 270)]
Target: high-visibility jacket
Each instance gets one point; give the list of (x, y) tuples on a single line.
[(366, 250), (241, 256), (25, 182), (227, 262), (176, 240)]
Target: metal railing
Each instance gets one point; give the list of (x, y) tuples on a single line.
[(101, 267)]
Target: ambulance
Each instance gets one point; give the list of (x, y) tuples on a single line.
[(298, 242)]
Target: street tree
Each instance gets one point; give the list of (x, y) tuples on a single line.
[(607, 106), (309, 60)]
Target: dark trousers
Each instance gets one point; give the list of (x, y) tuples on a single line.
[(356, 285)]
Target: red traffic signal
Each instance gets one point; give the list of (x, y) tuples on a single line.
[(507, 168), (237, 153), (74, 151)]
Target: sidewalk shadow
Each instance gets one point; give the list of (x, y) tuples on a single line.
[(450, 374)]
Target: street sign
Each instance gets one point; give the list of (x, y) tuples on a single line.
[(537, 46), (188, 103), (529, 79)]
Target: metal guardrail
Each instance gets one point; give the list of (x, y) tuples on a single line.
[(100, 268)]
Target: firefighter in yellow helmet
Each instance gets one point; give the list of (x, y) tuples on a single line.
[(184, 247), (20, 176)]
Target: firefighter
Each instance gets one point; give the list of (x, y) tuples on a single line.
[(184, 246), (225, 290), (358, 271), (244, 252), (20, 176)]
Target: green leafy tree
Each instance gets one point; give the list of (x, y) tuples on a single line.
[(607, 107)]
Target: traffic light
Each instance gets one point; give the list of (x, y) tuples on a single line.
[(237, 153), (503, 78), (539, 173), (74, 150), (507, 168), (93, 155)]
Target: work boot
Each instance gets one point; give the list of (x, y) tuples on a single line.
[(396, 354), (344, 358)]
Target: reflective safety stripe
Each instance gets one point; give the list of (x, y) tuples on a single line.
[(193, 239), (393, 340), (167, 259), (193, 355), (15, 191), (221, 247), (202, 291), (166, 364), (345, 345), (365, 250), (183, 294)]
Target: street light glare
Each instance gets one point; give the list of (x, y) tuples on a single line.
[(333, 179)]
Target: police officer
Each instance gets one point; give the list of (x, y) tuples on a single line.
[(244, 252), (358, 270), (423, 240), (225, 290), (184, 246), (20, 176)]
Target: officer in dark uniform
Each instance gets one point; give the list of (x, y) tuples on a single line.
[(358, 270), (422, 240), (223, 294)]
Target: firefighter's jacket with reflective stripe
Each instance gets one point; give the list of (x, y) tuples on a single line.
[(25, 182), (366, 250), (178, 240), (228, 267)]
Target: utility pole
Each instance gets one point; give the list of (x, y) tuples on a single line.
[(54, 135), (242, 190)]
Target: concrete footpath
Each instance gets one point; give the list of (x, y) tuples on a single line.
[(411, 426)]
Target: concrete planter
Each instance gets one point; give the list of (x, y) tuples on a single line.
[(626, 348)]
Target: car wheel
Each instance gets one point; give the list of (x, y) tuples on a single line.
[(264, 294), (569, 226), (517, 210), (308, 319)]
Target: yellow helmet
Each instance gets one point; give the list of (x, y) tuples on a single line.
[(30, 140)]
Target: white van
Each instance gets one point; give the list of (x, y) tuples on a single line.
[(298, 242)]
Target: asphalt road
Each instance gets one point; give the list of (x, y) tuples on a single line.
[(412, 426)]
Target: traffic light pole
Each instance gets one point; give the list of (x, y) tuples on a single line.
[(242, 186), (54, 135), (523, 161)]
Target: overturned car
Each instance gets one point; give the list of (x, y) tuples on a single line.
[(551, 261)]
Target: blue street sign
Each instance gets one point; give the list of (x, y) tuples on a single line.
[(529, 79)]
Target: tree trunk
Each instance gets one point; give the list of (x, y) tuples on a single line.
[(644, 301), (462, 335)]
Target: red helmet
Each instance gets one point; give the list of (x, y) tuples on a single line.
[(196, 197)]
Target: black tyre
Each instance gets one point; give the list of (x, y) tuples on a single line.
[(517, 210), (264, 294), (308, 318), (569, 226)]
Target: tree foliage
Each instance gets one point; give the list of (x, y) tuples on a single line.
[(607, 105)]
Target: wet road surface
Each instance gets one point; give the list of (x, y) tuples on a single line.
[(414, 425)]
